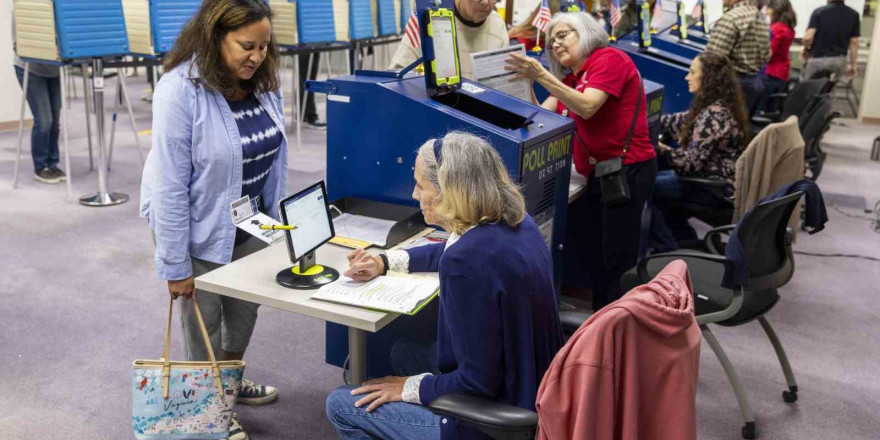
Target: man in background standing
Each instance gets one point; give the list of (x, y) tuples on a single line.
[(833, 31), (742, 34)]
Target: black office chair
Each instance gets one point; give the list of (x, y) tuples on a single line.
[(794, 102), (766, 241), (815, 123), (500, 420)]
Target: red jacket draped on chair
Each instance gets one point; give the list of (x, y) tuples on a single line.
[(630, 372)]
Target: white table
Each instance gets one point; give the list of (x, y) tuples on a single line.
[(252, 278)]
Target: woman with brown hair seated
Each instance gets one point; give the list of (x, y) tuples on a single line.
[(711, 135)]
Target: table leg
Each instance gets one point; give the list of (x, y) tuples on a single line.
[(357, 355)]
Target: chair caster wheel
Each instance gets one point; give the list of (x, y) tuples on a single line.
[(789, 396), (748, 431)]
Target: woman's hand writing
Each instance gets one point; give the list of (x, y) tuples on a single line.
[(363, 266)]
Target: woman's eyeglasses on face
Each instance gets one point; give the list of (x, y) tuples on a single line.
[(560, 36)]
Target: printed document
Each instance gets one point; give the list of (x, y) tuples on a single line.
[(360, 227), (391, 294), (489, 71)]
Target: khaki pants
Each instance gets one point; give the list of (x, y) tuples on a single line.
[(835, 65)]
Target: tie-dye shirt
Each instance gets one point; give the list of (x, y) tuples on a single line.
[(260, 141)]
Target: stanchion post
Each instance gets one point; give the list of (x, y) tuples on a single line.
[(103, 197), (87, 96)]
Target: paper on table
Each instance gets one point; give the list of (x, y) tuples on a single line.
[(401, 295), (359, 227), (489, 71)]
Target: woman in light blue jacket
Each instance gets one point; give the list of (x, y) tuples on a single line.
[(218, 135)]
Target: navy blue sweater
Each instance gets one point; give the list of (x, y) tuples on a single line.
[(499, 325)]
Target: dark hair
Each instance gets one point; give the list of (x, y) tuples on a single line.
[(783, 12), (202, 35), (718, 84)]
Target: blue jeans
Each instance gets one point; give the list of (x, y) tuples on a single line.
[(44, 99), (771, 85), (391, 421), (752, 87)]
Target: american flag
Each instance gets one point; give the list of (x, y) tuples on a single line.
[(412, 31), (543, 17), (615, 13), (697, 13), (658, 11)]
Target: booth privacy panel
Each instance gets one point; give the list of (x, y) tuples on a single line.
[(35, 29), (361, 23), (406, 9), (340, 19), (284, 24), (315, 21), (388, 17), (168, 18), (137, 26), (90, 28)]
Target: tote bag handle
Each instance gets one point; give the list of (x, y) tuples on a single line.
[(166, 354)]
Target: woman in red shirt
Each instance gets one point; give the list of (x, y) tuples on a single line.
[(599, 87), (782, 23)]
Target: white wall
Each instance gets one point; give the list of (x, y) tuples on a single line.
[(803, 9), (871, 93), (9, 88)]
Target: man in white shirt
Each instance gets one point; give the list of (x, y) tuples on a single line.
[(478, 27)]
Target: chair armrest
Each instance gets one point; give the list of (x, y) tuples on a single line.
[(497, 420), (762, 120), (572, 321), (708, 240)]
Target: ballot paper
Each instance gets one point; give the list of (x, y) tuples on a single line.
[(390, 294), (246, 217), (489, 71), (360, 227)]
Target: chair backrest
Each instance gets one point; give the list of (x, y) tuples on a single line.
[(813, 125), (765, 241), (800, 96)]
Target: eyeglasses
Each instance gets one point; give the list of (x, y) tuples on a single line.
[(559, 38)]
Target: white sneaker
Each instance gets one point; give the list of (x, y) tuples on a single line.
[(236, 432), (253, 394)]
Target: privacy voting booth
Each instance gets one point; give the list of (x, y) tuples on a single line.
[(153, 25), (377, 121), (658, 66), (69, 29)]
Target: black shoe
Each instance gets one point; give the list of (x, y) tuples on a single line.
[(58, 173), (46, 176), (316, 125)]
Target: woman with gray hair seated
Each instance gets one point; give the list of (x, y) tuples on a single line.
[(599, 87), (498, 326)]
